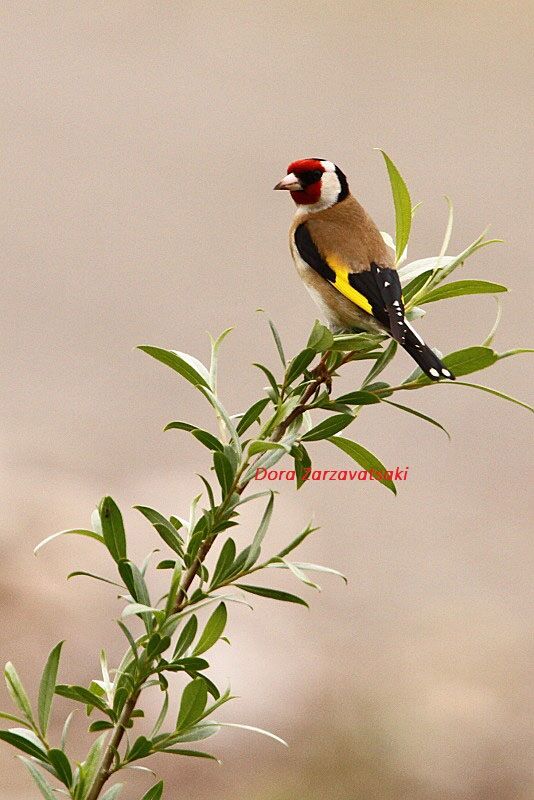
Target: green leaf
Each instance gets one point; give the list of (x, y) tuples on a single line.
[(296, 541), (193, 753), (273, 594), (207, 439), (420, 415), (81, 573), (458, 288), (155, 793), (224, 472), (192, 704), (90, 766), (13, 718), (403, 207), (463, 362), (213, 630), (215, 345), (47, 687), (100, 725), (17, 691), (222, 415), (26, 742), (278, 342), (365, 458), (251, 415), (140, 749), (495, 392), (225, 560), (70, 532), (356, 342), (113, 528), (261, 446), (328, 427), (135, 582), (138, 608), (161, 717), (179, 426), (185, 365), (82, 695), (65, 731), (321, 339), (381, 363), (299, 364), (489, 338), (358, 398), (43, 786), (165, 529), (61, 764), (186, 637), (255, 547), (113, 792), (302, 463)]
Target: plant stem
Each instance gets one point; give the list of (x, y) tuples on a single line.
[(105, 768), (323, 375)]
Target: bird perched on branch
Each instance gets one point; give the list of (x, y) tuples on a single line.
[(344, 262)]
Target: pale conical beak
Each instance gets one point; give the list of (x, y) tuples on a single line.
[(291, 183)]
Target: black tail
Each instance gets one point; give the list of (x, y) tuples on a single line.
[(423, 356)]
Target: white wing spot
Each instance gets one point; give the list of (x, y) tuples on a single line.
[(387, 283), (434, 372)]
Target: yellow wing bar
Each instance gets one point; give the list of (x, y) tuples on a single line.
[(342, 284)]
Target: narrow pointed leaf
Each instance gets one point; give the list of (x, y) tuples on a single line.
[(420, 415), (193, 703), (495, 392), (328, 427), (42, 784), (185, 365), (113, 528), (61, 764), (155, 793), (27, 745), (278, 342), (403, 207), (273, 594), (459, 288), (166, 530), (251, 415), (47, 687), (365, 459), (253, 729), (213, 630), (70, 532), (113, 792), (17, 691)]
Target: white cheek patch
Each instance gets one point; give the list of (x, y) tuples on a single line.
[(328, 166), (330, 189)]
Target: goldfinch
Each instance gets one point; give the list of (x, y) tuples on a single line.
[(344, 262)]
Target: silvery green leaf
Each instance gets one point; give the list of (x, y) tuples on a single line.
[(253, 729), (215, 345), (70, 532), (187, 366), (410, 271)]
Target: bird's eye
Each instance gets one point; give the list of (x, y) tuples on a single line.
[(310, 176)]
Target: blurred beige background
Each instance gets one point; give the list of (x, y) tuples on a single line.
[(140, 144)]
